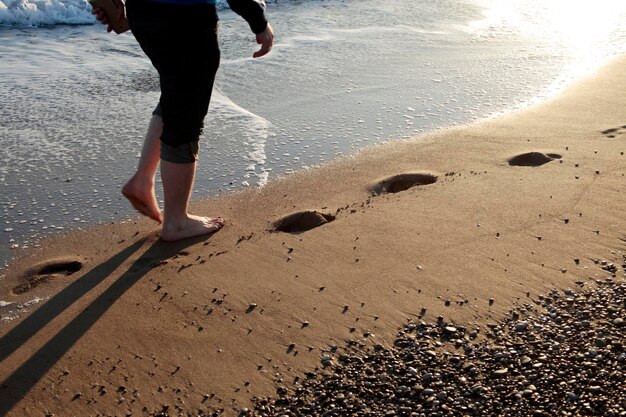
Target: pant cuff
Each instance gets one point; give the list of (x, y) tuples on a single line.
[(181, 154)]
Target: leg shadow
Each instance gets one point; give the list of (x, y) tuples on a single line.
[(18, 384), (38, 319)]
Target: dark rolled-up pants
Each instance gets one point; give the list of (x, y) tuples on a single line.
[(181, 41)]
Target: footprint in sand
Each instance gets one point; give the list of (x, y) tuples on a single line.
[(532, 159), (45, 271), (614, 132), (402, 182), (301, 221)]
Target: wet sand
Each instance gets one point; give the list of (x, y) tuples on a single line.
[(460, 226)]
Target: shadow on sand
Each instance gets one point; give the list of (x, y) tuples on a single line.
[(19, 383)]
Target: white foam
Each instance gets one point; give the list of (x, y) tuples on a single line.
[(256, 132), (33, 13), (35, 300), (5, 303), (389, 29), (45, 12)]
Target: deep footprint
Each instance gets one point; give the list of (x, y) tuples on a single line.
[(45, 271), (301, 221), (533, 159), (402, 182)]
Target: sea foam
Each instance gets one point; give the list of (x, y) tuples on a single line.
[(34, 13), (45, 12)]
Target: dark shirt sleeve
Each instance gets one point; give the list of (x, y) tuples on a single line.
[(251, 10)]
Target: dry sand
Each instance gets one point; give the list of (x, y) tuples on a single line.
[(209, 323)]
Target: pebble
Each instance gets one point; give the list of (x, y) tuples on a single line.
[(572, 363), (449, 329), (521, 326)]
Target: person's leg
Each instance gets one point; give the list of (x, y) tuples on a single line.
[(177, 185), (139, 190), (187, 77), (181, 42)]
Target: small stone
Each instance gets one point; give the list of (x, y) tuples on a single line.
[(501, 372), (478, 389), (520, 326)]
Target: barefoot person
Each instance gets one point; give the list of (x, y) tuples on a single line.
[(180, 38)]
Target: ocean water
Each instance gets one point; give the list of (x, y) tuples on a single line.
[(75, 101)]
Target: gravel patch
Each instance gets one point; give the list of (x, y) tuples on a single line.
[(562, 355)]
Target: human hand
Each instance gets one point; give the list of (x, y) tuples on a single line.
[(266, 40), (101, 15)]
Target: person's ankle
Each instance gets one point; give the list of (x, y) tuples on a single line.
[(175, 222)]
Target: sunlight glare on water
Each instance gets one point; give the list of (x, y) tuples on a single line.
[(582, 24), (581, 29)]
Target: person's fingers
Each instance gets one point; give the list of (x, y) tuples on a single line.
[(266, 46), (260, 52), (266, 40), (100, 16), (99, 13), (120, 9)]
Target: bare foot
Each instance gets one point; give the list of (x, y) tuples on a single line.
[(190, 227), (140, 193)]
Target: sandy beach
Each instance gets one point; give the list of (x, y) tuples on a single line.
[(458, 226)]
